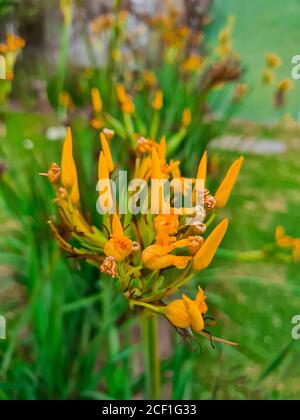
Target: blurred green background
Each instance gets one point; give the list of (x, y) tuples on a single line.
[(262, 27)]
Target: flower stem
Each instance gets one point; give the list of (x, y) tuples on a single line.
[(152, 357), (244, 256), (157, 309)]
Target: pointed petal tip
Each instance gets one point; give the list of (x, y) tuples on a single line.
[(207, 252), (156, 165), (224, 191), (240, 160), (117, 227), (202, 168), (225, 223)]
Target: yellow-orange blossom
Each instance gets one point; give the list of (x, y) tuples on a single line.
[(144, 268)]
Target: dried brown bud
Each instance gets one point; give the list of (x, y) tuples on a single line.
[(53, 174), (210, 202), (222, 72), (109, 267), (62, 193), (136, 247), (194, 244)]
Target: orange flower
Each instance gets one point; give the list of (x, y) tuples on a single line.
[(68, 169), (202, 168), (156, 165), (282, 240), (121, 92), (149, 79), (158, 257), (185, 312), (273, 60), (158, 101), (201, 174), (193, 63), (162, 149), (285, 85), (118, 246), (96, 100), (65, 100), (186, 117), (206, 253), (14, 43), (96, 123), (125, 100), (107, 152), (128, 106), (167, 222), (102, 23), (165, 226), (103, 175), (223, 193), (267, 77)]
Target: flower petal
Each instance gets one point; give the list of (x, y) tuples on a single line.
[(195, 315), (202, 169), (107, 152), (177, 314), (69, 172), (206, 253), (67, 161), (156, 166), (96, 100), (158, 101), (117, 228), (223, 193), (162, 149), (103, 172)]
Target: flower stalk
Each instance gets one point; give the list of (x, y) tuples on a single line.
[(152, 357)]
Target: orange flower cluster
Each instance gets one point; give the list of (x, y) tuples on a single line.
[(150, 255), (10, 50)]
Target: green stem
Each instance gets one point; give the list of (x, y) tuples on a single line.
[(155, 124), (152, 357), (245, 256), (157, 309)]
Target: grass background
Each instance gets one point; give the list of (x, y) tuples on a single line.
[(262, 27)]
